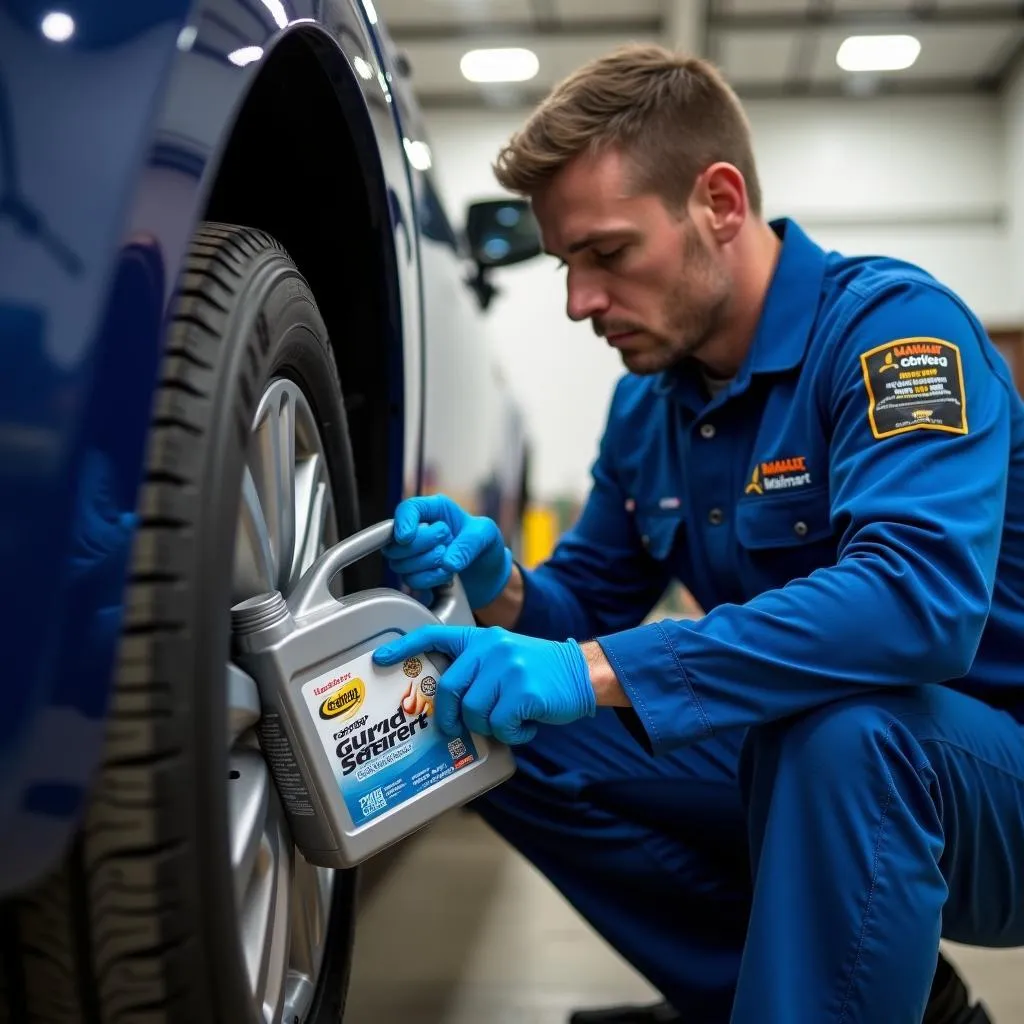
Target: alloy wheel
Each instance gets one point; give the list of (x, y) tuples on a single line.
[(285, 520)]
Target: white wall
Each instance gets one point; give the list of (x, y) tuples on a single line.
[(924, 180), (1013, 120)]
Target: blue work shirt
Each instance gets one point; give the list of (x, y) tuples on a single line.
[(848, 511)]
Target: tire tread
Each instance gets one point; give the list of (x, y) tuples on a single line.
[(101, 957)]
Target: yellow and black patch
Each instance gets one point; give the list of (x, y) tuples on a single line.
[(915, 384)]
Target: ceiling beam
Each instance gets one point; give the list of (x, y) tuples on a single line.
[(1007, 67), (804, 53), (523, 99), (684, 27), (966, 15), (617, 28), (883, 87)]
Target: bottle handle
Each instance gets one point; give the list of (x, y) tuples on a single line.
[(312, 594)]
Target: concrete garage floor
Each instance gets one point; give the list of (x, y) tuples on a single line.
[(461, 930)]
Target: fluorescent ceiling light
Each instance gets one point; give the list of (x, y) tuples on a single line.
[(507, 65), (878, 53), (246, 55), (58, 26)]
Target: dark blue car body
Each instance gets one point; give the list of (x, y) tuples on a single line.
[(113, 146)]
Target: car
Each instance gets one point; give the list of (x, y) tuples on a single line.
[(237, 325)]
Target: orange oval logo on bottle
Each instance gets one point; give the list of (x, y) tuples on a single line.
[(345, 703)]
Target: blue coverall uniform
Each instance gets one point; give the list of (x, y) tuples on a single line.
[(825, 773)]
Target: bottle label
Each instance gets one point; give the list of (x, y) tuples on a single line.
[(378, 730)]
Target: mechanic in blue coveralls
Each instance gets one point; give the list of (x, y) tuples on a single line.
[(776, 810)]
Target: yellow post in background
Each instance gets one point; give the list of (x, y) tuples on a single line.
[(540, 534)]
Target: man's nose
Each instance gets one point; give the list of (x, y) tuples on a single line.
[(584, 298)]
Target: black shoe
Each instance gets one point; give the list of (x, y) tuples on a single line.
[(655, 1013), (949, 1001)]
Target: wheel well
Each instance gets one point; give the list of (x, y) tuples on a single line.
[(293, 167)]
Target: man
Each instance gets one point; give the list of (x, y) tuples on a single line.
[(774, 811)]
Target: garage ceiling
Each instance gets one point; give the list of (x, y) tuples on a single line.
[(767, 48)]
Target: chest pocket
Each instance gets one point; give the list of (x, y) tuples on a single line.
[(660, 530), (784, 536)]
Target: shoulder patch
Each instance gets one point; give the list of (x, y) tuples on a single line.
[(915, 384)]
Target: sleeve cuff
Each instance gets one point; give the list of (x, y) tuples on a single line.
[(665, 707)]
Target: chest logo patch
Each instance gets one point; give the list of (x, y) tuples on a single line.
[(914, 384), (779, 475)]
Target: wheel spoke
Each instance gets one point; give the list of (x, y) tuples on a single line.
[(312, 888), (272, 460), (254, 569), (243, 703), (286, 484), (280, 935), (307, 918), (325, 893), (264, 920), (312, 505), (257, 918), (248, 802)]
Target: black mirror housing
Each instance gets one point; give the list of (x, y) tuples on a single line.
[(501, 232)]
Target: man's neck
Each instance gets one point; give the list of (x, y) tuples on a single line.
[(754, 258)]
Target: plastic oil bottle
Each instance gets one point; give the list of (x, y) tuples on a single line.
[(356, 755)]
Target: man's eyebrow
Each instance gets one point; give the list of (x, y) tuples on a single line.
[(593, 238)]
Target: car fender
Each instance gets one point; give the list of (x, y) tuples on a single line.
[(111, 143)]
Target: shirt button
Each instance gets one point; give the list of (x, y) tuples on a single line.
[(716, 517), (707, 431), (800, 529)]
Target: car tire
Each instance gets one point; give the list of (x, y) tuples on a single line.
[(142, 922)]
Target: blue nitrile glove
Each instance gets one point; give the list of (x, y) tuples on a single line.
[(499, 683), (434, 540)]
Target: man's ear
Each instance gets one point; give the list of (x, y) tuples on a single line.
[(721, 192)]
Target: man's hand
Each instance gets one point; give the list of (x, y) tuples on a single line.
[(500, 684), (434, 540)]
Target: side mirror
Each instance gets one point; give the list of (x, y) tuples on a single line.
[(501, 232)]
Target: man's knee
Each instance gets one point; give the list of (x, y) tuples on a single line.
[(837, 747)]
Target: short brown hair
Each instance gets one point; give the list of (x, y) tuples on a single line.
[(673, 115)]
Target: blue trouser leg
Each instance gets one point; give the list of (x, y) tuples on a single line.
[(651, 851), (871, 827), (878, 824)]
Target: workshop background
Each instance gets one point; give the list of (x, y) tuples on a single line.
[(924, 161)]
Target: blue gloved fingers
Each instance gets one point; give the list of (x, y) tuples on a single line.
[(424, 561), (450, 640), (432, 508), (429, 580), (470, 542), (511, 720), (480, 700), (425, 537), (455, 682)]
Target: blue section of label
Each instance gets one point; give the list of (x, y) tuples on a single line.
[(380, 770), (379, 733)]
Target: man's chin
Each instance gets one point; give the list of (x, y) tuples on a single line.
[(646, 364)]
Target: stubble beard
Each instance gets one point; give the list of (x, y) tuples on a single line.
[(694, 313)]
